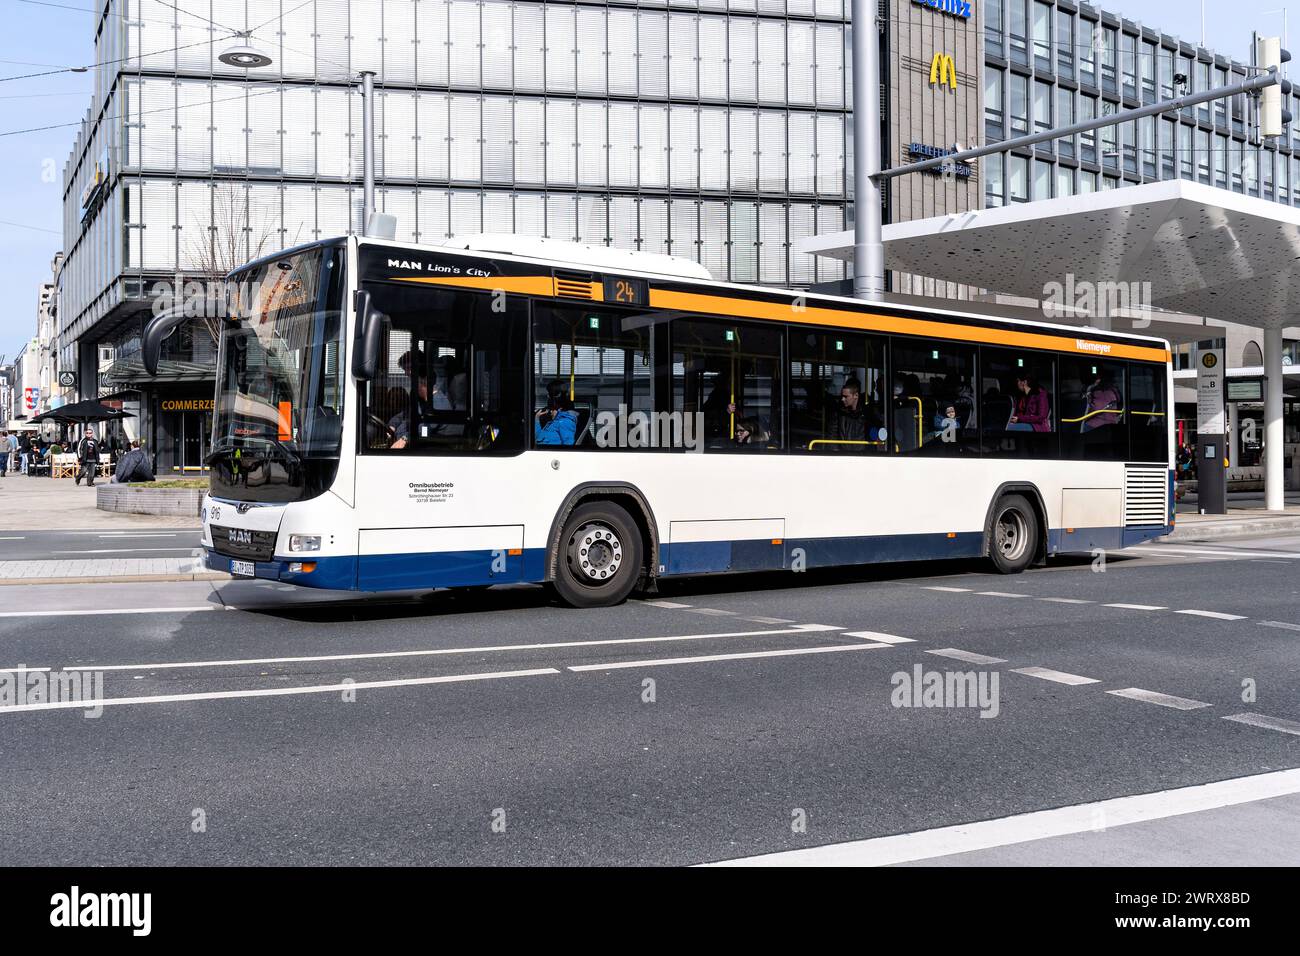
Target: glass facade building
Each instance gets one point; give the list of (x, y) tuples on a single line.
[(1050, 64), (714, 130)]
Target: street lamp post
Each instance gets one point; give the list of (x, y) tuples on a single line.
[(868, 244)]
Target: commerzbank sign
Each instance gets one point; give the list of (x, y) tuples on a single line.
[(953, 8)]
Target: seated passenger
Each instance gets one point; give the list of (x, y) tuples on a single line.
[(947, 423), (557, 423), (749, 432), (428, 399), (1033, 411), (850, 421)]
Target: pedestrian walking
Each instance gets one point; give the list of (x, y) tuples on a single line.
[(88, 455), (5, 453)]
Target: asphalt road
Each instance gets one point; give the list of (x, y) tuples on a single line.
[(78, 545), (723, 718)]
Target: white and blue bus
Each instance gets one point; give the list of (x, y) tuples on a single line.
[(507, 410)]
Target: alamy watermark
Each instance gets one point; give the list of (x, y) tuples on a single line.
[(624, 429), (947, 689), (1079, 297), (31, 689)]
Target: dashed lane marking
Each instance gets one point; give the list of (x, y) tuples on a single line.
[(711, 610), (1066, 601), (1138, 607), (1284, 625), (786, 652), (439, 651), (274, 691), (1216, 615), (1059, 677), (1003, 594), (671, 605), (767, 620), (1170, 549), (1164, 700), (967, 656), (1268, 723), (933, 587), (877, 636)]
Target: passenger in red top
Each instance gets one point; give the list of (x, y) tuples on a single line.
[(1033, 408)]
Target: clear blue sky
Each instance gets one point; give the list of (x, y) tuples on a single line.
[(51, 35)]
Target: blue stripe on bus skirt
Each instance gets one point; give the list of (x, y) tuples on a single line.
[(385, 572)]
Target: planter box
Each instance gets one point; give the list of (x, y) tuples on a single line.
[(179, 502)]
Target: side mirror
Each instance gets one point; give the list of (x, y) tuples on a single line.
[(157, 329), (370, 322)]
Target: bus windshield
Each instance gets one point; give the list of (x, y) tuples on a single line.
[(277, 422)]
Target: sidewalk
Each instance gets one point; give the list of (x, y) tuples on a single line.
[(57, 504), (106, 570), (1246, 516)]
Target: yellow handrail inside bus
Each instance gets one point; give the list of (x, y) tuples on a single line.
[(839, 441), (920, 414), (1099, 411)]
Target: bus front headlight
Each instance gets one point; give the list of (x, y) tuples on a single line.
[(304, 542)]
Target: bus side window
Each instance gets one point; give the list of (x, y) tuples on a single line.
[(727, 376), (837, 393), (933, 409), (1094, 411)]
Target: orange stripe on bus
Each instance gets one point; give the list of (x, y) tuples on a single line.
[(899, 325)]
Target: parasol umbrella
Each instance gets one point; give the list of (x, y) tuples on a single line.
[(82, 413)]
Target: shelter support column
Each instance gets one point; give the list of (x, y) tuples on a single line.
[(1274, 433)]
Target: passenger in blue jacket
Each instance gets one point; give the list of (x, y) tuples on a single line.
[(557, 423)]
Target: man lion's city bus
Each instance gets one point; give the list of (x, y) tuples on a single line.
[(508, 410)]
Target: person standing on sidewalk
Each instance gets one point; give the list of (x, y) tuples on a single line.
[(4, 454), (88, 455)]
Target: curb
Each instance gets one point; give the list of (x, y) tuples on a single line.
[(120, 578), (1210, 530)]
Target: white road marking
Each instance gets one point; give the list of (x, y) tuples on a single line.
[(711, 610), (769, 620), (1170, 549), (671, 605), (787, 652), (929, 587), (435, 652), (1268, 723), (1059, 677), (24, 670), (1007, 594), (1164, 700), (1282, 624), (1138, 607), (274, 691), (118, 610), (1066, 601), (1217, 615), (13, 539), (1038, 825), (966, 656), (877, 636)]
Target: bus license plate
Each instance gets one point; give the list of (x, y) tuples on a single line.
[(243, 569)]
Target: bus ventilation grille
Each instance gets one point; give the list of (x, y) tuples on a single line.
[(575, 285), (1144, 496)]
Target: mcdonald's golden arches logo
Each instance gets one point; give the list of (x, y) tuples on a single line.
[(943, 70)]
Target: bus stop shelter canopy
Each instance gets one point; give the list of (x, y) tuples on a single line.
[(1189, 248)]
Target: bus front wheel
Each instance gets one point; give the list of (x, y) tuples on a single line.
[(1014, 538), (599, 557)]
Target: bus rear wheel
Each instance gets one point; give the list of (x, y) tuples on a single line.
[(1014, 538), (600, 556)]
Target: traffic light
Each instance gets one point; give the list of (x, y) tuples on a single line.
[(1272, 117)]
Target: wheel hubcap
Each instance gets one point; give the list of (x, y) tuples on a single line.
[(1012, 535), (595, 553)]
